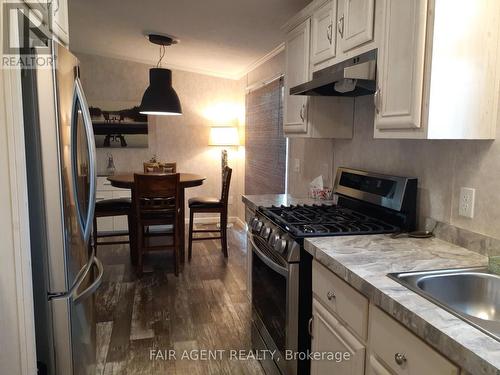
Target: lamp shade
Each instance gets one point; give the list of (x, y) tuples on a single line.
[(224, 136), (160, 98)]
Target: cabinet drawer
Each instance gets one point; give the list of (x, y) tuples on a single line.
[(389, 339), (104, 184), (349, 305)]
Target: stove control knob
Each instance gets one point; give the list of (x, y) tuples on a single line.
[(265, 232), (258, 226), (252, 222), (280, 246), (273, 239)]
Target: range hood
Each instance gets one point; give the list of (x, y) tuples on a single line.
[(352, 77)]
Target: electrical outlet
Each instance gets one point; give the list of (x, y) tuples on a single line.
[(466, 204), (296, 165)]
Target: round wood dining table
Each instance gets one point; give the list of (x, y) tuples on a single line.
[(187, 180)]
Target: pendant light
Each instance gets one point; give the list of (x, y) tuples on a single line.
[(160, 97)]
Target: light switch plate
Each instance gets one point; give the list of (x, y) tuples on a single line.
[(466, 203)]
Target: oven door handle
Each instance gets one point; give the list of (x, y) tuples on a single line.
[(275, 267)]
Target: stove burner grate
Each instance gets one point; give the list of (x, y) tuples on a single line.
[(318, 220)]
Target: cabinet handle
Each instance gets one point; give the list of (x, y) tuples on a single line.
[(400, 358), (331, 295), (329, 33), (310, 326), (340, 26), (303, 112), (376, 100)]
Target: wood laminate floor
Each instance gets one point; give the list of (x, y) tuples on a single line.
[(140, 320)]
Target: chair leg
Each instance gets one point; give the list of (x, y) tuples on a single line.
[(176, 250), (95, 235), (133, 239), (140, 246), (190, 241), (223, 232)]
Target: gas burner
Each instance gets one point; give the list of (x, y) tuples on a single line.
[(326, 220)]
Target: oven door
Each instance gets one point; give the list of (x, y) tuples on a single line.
[(275, 288)]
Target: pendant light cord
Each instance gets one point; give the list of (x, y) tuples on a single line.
[(162, 54)]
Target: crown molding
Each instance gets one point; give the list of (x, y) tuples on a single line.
[(268, 56)]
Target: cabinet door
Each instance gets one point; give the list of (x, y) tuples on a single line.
[(297, 46), (323, 35), (60, 20), (355, 23), (401, 58), (375, 367), (330, 336)]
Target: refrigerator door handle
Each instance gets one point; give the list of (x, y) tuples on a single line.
[(78, 297), (82, 274), (79, 96)]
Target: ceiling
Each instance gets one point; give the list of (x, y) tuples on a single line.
[(217, 37)]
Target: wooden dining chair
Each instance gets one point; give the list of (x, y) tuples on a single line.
[(157, 202), (150, 167), (157, 167), (168, 167), (211, 205), (110, 208)]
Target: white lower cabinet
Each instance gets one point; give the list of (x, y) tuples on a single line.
[(392, 349), (345, 324), (375, 367), (342, 353)]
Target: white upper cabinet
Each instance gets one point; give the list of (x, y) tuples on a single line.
[(355, 23), (323, 32), (296, 72), (438, 70), (312, 117), (60, 26), (398, 101)]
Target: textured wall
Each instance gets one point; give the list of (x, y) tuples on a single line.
[(442, 167), (205, 100), (269, 70), (316, 159)]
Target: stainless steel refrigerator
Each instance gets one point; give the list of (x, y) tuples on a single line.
[(61, 161)]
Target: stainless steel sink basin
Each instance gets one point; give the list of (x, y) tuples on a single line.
[(472, 294)]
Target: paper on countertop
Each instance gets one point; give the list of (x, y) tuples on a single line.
[(317, 183)]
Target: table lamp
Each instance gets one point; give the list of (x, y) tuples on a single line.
[(224, 136)]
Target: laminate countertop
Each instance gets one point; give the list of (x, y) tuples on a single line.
[(365, 261)]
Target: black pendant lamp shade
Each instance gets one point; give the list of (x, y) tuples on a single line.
[(160, 97)]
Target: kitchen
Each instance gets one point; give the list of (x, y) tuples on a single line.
[(360, 221)]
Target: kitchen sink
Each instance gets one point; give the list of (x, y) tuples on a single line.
[(472, 294)]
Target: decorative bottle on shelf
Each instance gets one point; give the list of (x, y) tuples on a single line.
[(110, 169)]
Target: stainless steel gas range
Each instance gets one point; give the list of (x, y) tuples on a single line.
[(367, 203)]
